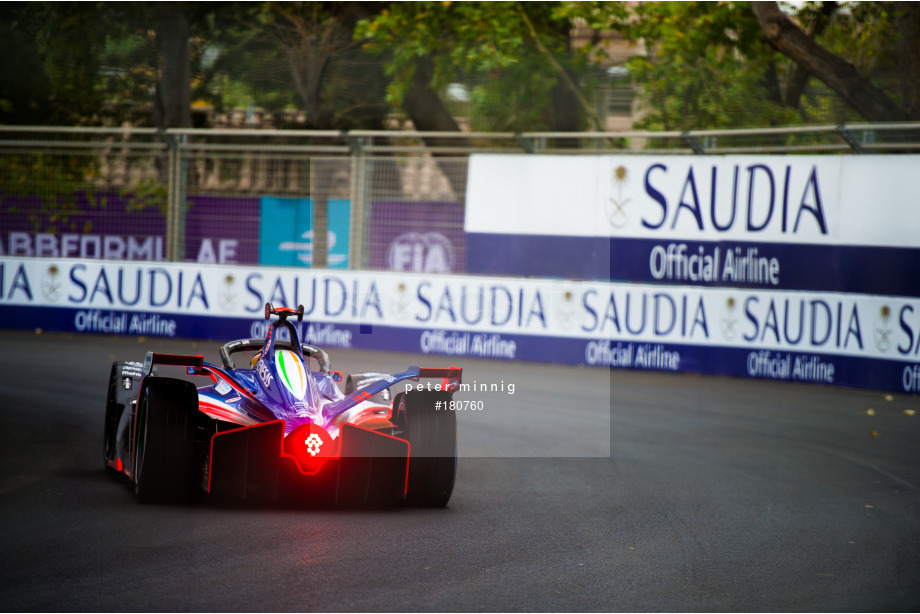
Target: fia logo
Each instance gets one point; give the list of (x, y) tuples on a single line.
[(616, 207), (430, 252)]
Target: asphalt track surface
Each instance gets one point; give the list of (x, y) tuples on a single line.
[(704, 494)]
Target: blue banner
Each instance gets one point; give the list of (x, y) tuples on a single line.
[(286, 232), (891, 271)]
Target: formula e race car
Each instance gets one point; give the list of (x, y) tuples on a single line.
[(278, 427)]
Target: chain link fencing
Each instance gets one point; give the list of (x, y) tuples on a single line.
[(372, 200)]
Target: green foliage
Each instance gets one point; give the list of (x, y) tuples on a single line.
[(248, 68), (487, 45), (25, 89), (56, 181), (505, 101), (147, 193), (296, 56), (129, 68), (62, 186), (865, 34), (705, 64), (705, 67), (56, 47), (457, 38)]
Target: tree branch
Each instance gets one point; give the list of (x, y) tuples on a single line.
[(838, 74), (428, 114), (599, 125), (799, 80), (907, 20)]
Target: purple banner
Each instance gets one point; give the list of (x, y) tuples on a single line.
[(113, 226), (423, 237), (222, 230)]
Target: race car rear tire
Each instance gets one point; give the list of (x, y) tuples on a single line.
[(351, 385), (432, 433), (112, 413), (164, 464)]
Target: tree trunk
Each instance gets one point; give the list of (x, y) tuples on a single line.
[(599, 123), (771, 83), (799, 80), (308, 67), (566, 116), (173, 107), (429, 114), (907, 20), (424, 106), (566, 109), (838, 74)]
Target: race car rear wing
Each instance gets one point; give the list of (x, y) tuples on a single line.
[(450, 375), (194, 364)]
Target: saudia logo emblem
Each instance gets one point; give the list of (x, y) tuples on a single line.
[(729, 320), (564, 309), (51, 285), (883, 329), (402, 303), (227, 294), (616, 207)]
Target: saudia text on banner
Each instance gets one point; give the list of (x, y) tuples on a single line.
[(858, 325)]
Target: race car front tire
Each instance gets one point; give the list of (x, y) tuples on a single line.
[(164, 463), (431, 429)]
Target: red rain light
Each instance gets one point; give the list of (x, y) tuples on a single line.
[(311, 446)]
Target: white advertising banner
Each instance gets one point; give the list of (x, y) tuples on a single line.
[(839, 200), (848, 339)]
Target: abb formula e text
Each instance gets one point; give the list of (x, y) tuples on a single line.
[(279, 427)]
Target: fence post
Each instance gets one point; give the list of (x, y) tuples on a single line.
[(850, 138), (176, 206), (360, 168), (693, 142)]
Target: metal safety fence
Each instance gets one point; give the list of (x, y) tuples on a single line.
[(372, 200)]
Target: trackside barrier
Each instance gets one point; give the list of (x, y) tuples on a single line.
[(799, 268), (848, 339), (818, 223)]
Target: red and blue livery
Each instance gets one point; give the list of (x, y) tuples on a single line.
[(279, 427)]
